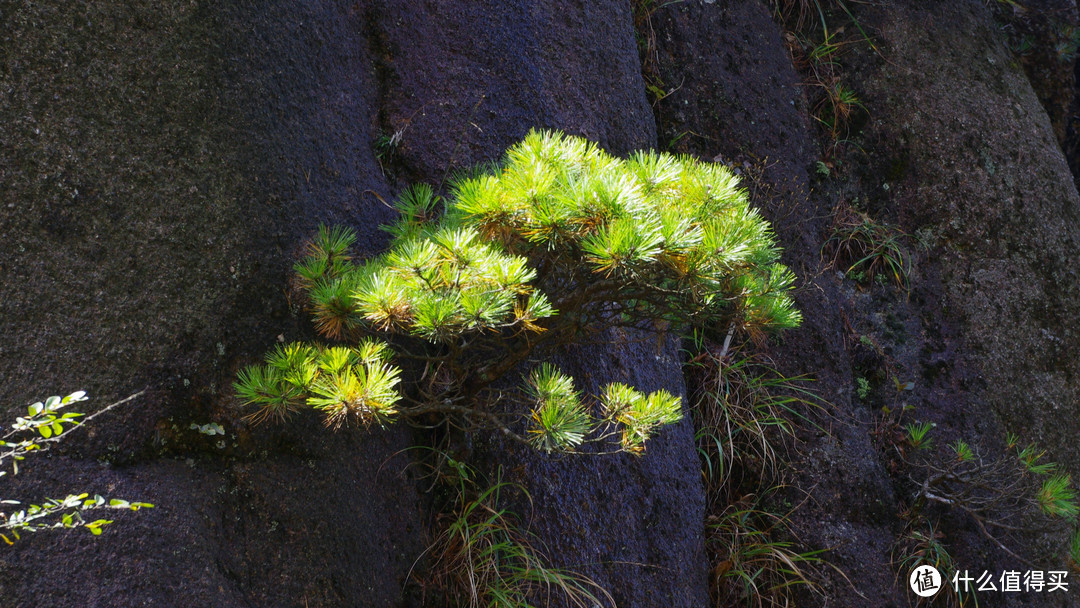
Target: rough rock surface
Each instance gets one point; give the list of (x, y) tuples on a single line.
[(956, 147), (1043, 35), (741, 101), (162, 166), (970, 159)]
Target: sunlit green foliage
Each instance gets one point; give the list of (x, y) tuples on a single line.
[(559, 239), (560, 421), (43, 426), (346, 383), (639, 414)]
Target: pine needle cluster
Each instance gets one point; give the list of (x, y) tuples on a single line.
[(557, 240)]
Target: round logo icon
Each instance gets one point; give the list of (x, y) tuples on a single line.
[(925, 580)]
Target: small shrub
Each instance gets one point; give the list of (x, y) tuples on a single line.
[(991, 491), (42, 427)]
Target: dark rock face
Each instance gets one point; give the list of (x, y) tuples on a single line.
[(464, 82), (741, 101), (161, 168), (1043, 35), (986, 181), (633, 524), (161, 165), (958, 148)]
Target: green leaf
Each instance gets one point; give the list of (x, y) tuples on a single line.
[(45, 430), (96, 525)]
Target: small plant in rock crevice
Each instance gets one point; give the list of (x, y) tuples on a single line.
[(753, 564), (923, 545), (744, 410), (860, 246), (816, 51), (837, 109), (386, 149), (991, 491), (557, 242), (481, 557), (33, 434), (744, 413), (656, 88), (798, 14)]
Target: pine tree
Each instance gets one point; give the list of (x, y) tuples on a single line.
[(558, 239)]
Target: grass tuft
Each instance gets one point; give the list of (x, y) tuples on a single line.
[(863, 248), (482, 559), (752, 565), (917, 547), (743, 410)]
